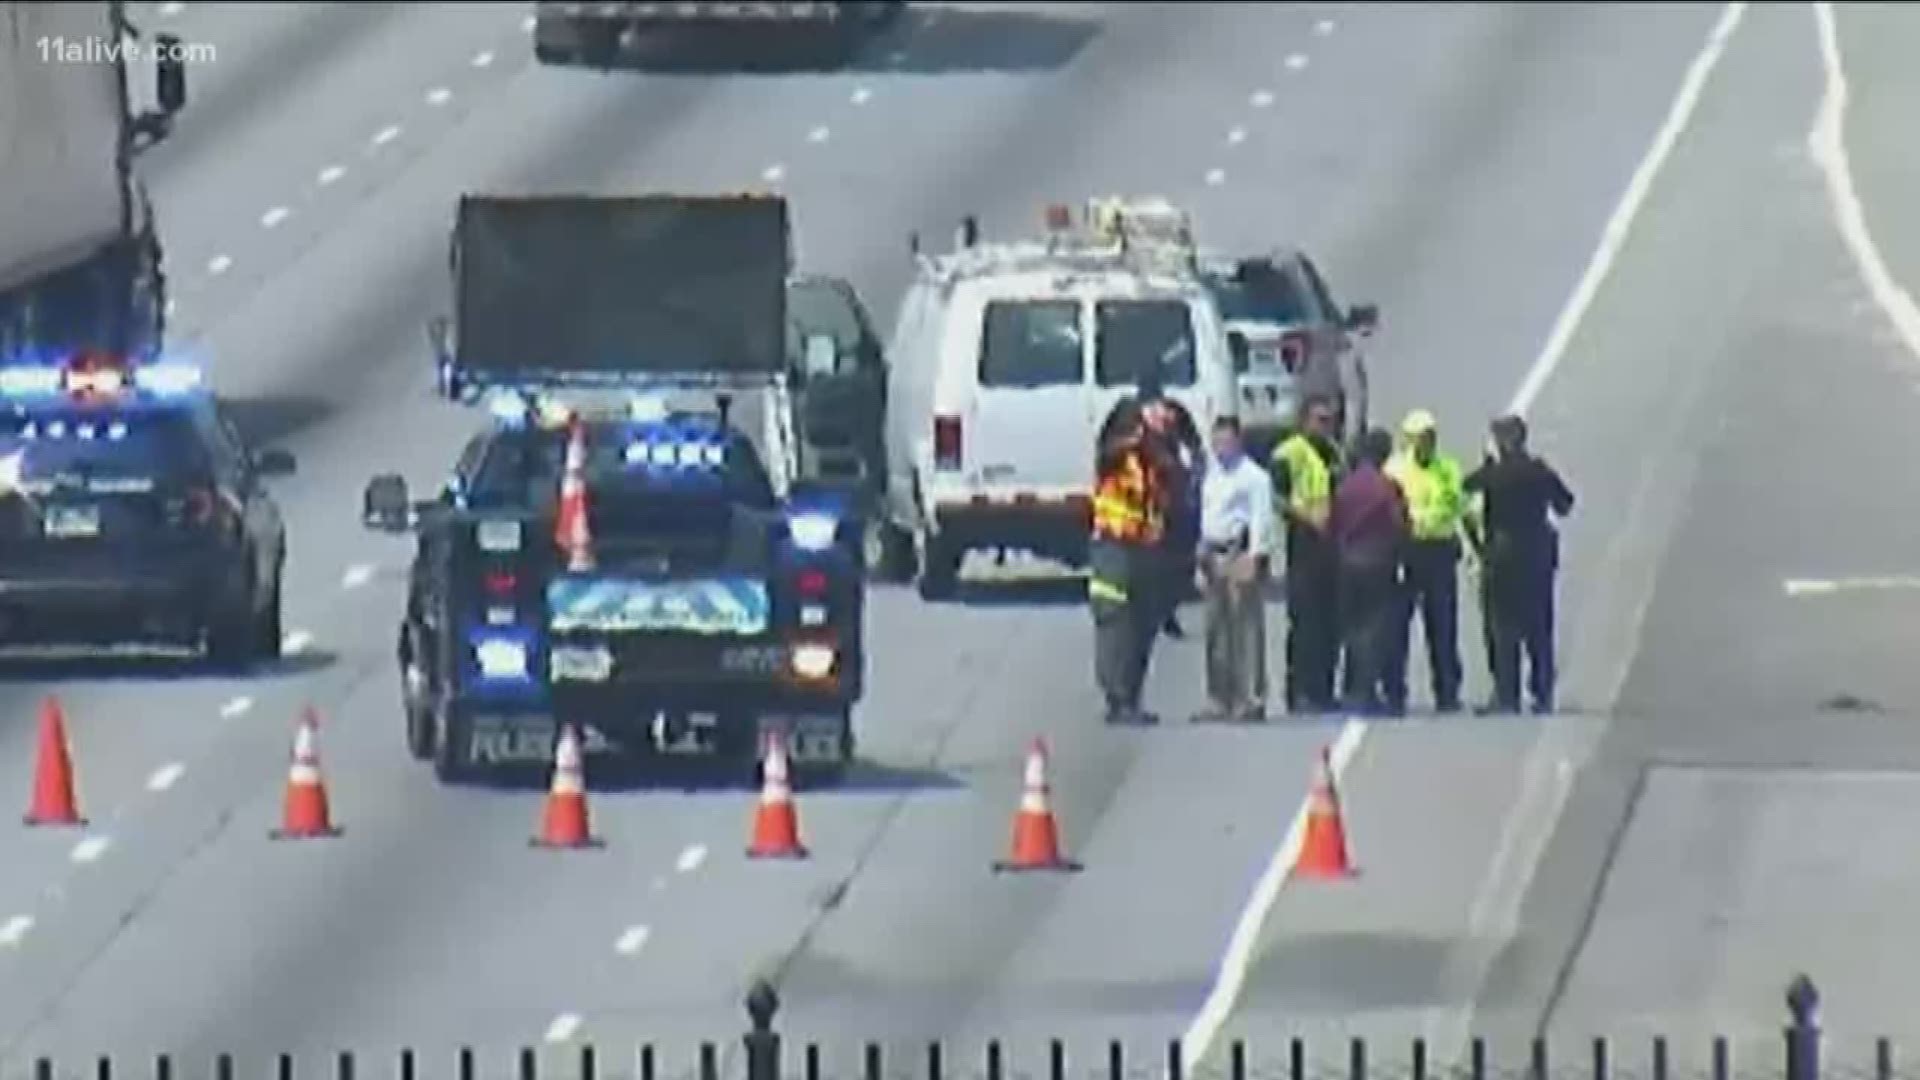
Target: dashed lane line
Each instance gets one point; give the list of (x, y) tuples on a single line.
[(237, 707), (1296, 61), (219, 264), (1261, 99), (356, 576), (564, 1027), (166, 776), (386, 134), (483, 58), (14, 930), (90, 849), (296, 642), (272, 218), (632, 941), (691, 858)]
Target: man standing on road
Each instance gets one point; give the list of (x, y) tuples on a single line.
[(1370, 532), (1523, 493), (1238, 534), (1125, 559), (1305, 467), (1430, 567)]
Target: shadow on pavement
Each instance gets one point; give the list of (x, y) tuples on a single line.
[(616, 774), (151, 668), (270, 421)]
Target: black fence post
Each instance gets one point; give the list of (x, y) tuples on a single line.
[(761, 1041), (1803, 1030)]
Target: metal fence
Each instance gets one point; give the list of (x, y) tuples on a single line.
[(762, 1056)]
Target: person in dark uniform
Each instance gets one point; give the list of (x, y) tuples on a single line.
[(1370, 529), (1185, 455), (1305, 468), (1522, 558)]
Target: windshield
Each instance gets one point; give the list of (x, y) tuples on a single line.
[(1137, 335), (89, 447), (1029, 343), (1266, 296), (821, 307), (526, 466)]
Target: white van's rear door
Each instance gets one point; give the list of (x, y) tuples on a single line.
[(1033, 420), (1134, 334)]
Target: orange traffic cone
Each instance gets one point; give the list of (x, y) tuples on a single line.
[(305, 814), (776, 822), (570, 531), (1036, 834), (564, 823), (1323, 849), (53, 798)]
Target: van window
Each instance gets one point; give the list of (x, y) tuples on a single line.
[(1260, 295), (1031, 343), (1137, 334)]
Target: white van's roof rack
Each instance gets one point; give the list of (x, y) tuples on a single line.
[(1150, 236)]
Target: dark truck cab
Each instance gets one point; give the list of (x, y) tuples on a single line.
[(723, 598)]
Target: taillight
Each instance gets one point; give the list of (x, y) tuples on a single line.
[(946, 443), (811, 584), (501, 585), (1293, 350)]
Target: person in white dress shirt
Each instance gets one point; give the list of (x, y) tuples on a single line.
[(1239, 531)]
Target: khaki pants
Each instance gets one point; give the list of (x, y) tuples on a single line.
[(1236, 635)]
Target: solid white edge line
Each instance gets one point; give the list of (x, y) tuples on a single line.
[(1614, 236), (1238, 959), (1827, 144)]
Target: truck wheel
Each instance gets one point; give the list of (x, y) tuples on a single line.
[(416, 706), (450, 765), (232, 635), (889, 552), (269, 631), (939, 568)]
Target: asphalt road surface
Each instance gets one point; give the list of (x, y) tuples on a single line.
[(1456, 164)]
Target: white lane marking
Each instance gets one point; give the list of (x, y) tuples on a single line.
[(1234, 964), (15, 929), (169, 10), (1828, 145), (1296, 61), (165, 776), (563, 1027), (274, 217), (527, 24), (691, 858), (90, 849), (219, 264), (483, 58), (1216, 177), (1323, 27), (632, 941), (819, 134), (439, 95), (386, 135), (236, 708), (1236, 136), (773, 174), (329, 175), (861, 95), (1260, 99), (357, 575), (295, 642), (1827, 586), (1614, 236)]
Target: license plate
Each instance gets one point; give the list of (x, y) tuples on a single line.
[(72, 522), (811, 740), (572, 663)]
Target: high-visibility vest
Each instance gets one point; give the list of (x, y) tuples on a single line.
[(1126, 508), (1436, 499), (1309, 481)]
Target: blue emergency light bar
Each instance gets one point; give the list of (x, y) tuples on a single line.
[(40, 381)]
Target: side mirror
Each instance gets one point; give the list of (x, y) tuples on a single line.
[(387, 506), (271, 463), (821, 356), (1363, 318), (440, 339), (170, 73), (1238, 348)]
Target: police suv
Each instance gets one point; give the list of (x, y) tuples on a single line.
[(133, 514)]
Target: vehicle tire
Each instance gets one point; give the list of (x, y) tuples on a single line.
[(269, 625), (416, 705), (450, 765), (889, 551), (939, 568), (231, 634)]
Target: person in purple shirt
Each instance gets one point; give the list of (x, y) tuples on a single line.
[(1370, 529)]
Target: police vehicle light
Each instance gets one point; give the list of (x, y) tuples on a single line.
[(167, 378), (813, 531), (813, 661), (500, 657), (663, 454), (103, 381), (22, 381), (507, 407)]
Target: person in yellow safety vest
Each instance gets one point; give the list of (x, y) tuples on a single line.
[(1431, 481), (1124, 584), (1306, 466)]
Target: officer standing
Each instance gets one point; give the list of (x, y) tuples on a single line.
[(1522, 559), (1436, 498), (1305, 467), (1126, 559)]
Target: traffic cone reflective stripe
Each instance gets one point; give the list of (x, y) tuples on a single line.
[(1323, 848), (564, 823), (776, 822), (53, 802), (1036, 833), (570, 530), (305, 813)]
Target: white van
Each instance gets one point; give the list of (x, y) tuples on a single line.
[(1005, 360)]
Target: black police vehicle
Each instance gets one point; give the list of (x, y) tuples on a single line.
[(133, 514), (711, 599)]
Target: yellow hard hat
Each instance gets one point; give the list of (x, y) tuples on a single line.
[(1419, 422)]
